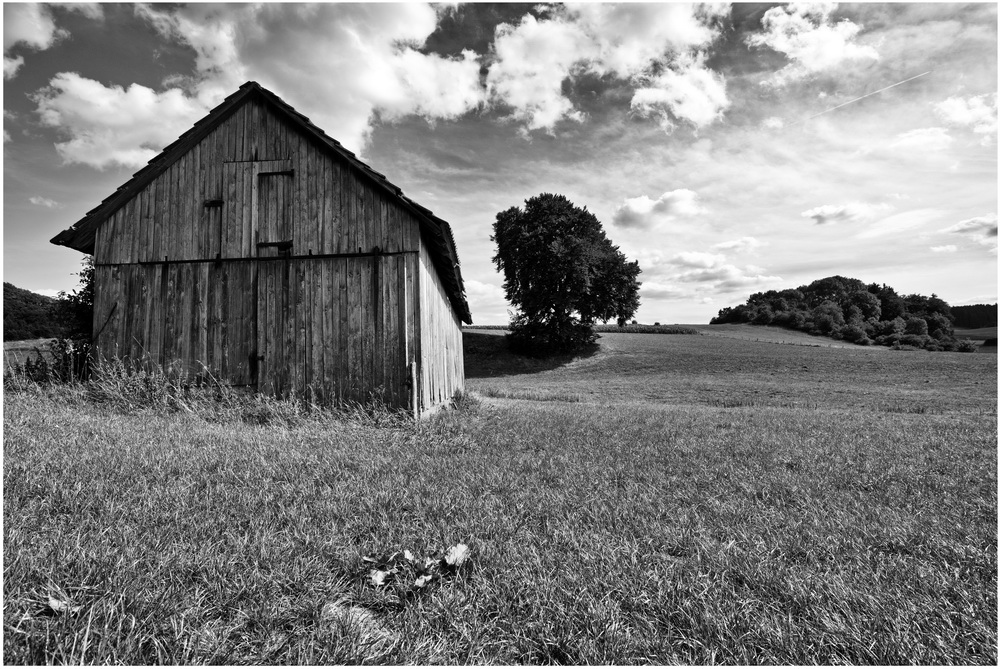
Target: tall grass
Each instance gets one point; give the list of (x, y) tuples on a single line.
[(188, 532)]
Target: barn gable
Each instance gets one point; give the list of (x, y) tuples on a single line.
[(258, 249)]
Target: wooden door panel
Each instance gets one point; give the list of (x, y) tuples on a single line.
[(232, 322), (274, 321), (273, 202), (277, 280), (232, 312), (235, 235)]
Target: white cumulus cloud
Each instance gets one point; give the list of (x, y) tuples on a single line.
[(947, 248), (32, 26), (981, 229), (698, 259), (644, 212), (854, 211), (686, 91), (657, 48), (740, 245), (922, 139), (630, 36), (805, 33), (341, 65), (532, 59), (40, 201), (978, 113), (348, 65), (726, 277), (28, 24), (112, 125)]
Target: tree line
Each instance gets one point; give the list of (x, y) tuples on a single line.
[(851, 310), (28, 315), (975, 316)]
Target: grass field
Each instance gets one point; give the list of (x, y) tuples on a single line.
[(666, 499), (16, 352), (977, 334)]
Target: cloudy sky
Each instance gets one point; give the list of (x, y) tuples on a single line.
[(729, 148)]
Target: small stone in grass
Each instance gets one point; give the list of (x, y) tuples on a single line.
[(57, 606), (358, 622)]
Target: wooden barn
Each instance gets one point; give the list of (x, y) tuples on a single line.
[(258, 250)]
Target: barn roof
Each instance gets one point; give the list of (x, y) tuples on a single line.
[(436, 232)]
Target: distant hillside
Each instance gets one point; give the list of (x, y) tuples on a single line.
[(843, 308), (28, 315), (975, 316)]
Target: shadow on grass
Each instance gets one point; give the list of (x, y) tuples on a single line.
[(486, 356)]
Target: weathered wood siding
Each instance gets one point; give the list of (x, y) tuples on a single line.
[(332, 208), (442, 365), (181, 282)]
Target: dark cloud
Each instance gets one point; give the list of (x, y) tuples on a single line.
[(472, 26)]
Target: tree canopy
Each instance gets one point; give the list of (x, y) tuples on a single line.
[(845, 308), (562, 274)]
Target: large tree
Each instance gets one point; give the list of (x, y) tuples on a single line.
[(562, 273)]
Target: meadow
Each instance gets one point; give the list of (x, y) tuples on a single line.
[(714, 498)]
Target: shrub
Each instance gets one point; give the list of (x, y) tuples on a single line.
[(967, 346), (918, 340), (891, 339), (940, 326), (916, 326), (855, 334), (764, 316), (64, 361), (827, 317)]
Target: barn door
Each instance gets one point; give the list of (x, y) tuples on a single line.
[(276, 280), (232, 322)]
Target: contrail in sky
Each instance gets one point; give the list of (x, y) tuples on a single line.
[(867, 95)]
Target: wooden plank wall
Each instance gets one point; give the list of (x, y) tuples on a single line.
[(186, 319), (333, 208), (442, 365), (323, 330), (337, 330), (334, 328)]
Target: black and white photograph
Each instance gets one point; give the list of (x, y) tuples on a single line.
[(500, 333)]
